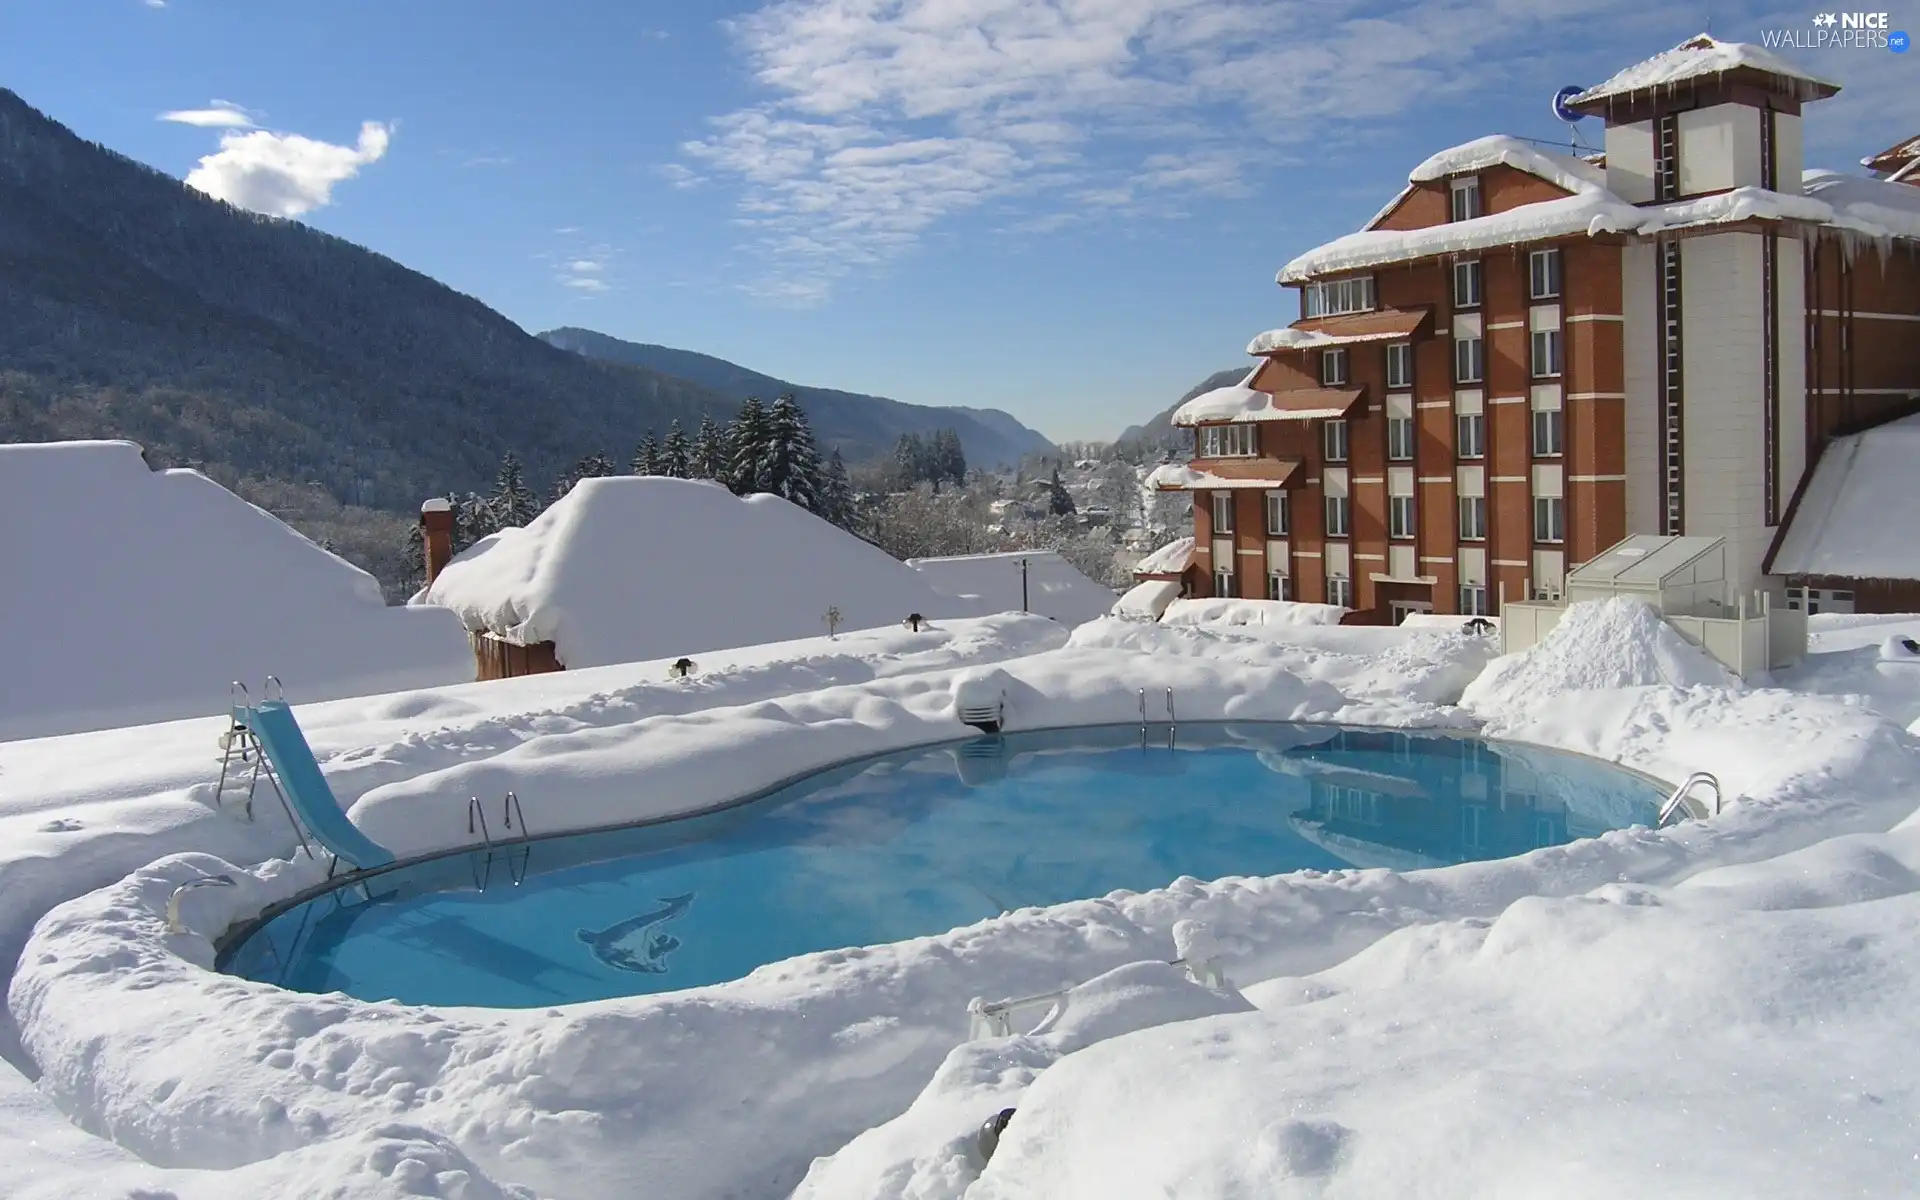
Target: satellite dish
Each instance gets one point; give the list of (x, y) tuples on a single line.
[(1560, 98)]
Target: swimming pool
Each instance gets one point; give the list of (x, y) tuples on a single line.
[(919, 842)]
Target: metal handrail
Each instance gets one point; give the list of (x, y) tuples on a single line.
[(1682, 802), (1170, 719), (173, 901), (1143, 708), (477, 814), (272, 689), (510, 808)]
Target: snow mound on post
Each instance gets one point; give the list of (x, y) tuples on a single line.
[(133, 595), (630, 568), (1597, 646), (991, 583)]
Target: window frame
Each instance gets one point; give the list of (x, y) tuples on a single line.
[(1338, 297), (1328, 431), (1230, 589), (1479, 440), (1549, 520), (1550, 419), (1214, 510), (1401, 437), (1553, 362), (1343, 505), (1476, 360), (1478, 527), (1334, 367), (1467, 271), (1340, 591), (1284, 590), (1399, 354), (1399, 530), (1464, 186), (1551, 257), (1215, 440), (1277, 501), (1472, 600)]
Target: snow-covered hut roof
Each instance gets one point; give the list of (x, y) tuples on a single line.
[(134, 595), (992, 583), (1564, 171), (1242, 403), (1316, 333), (1170, 559), (1869, 206), (1843, 525), (631, 568), (1251, 473), (1700, 57)]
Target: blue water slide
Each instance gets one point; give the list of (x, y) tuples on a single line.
[(272, 722)]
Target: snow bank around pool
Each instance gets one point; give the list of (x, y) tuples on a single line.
[(133, 595), (1599, 645), (641, 567)]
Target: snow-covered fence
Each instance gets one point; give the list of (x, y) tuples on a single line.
[(1755, 638)]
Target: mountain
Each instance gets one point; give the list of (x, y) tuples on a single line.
[(132, 306), (1159, 431), (857, 425)]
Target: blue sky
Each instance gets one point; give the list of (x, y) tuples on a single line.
[(1069, 209)]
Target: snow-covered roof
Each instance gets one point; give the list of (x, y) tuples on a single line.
[(133, 595), (1146, 600), (1561, 170), (1700, 57), (1170, 559), (1179, 477), (1893, 156), (1643, 560), (1845, 524), (992, 583), (1385, 325), (1867, 205), (1242, 403), (639, 567)]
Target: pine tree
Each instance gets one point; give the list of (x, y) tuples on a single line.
[(512, 502), (646, 457), (709, 455), (836, 493), (1059, 499), (790, 465), (676, 454), (747, 450), (949, 458), (473, 519), (910, 459), (593, 466)]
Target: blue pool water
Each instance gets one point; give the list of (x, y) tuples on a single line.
[(923, 841)]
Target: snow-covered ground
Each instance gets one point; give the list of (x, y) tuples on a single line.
[(1706, 1010)]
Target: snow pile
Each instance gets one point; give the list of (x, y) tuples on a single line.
[(1234, 402), (1289, 338), (1436, 621), (1180, 476), (1171, 559), (1226, 611), (1599, 645), (1146, 601), (1699, 57), (1840, 526), (1868, 203), (991, 583), (1563, 171), (639, 567), (135, 595)]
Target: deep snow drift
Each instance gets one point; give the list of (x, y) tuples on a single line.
[(136, 595), (1053, 587), (1408, 1023), (639, 567)]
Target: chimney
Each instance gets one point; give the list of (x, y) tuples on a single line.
[(436, 526)]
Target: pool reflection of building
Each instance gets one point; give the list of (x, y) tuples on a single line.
[(1465, 800)]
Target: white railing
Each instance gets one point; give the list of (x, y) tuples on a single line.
[(1682, 803)]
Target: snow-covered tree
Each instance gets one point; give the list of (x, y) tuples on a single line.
[(646, 457), (948, 460), (473, 519), (512, 502), (593, 466), (1059, 500), (836, 492), (676, 453), (747, 440), (789, 464), (709, 455)]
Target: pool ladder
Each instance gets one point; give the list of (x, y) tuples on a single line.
[(1172, 724), (515, 851), (1682, 805), (994, 1018)]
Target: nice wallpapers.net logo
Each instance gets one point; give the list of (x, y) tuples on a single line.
[(1840, 31)]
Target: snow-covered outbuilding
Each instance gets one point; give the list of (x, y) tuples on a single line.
[(632, 568), (1846, 545), (1170, 563), (134, 595), (1036, 581)]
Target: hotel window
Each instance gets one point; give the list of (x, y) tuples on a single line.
[(1399, 516), (1279, 586), (1543, 272), (1223, 581), (1473, 599), (1470, 435), (1400, 438), (1223, 512), (1276, 514), (1336, 516), (1333, 367), (1334, 441), (1546, 433), (1546, 353), (1400, 365), (1228, 441), (1819, 600), (1549, 519), (1469, 360), (1466, 284), (1340, 591), (1337, 296), (1473, 518), (1466, 198)]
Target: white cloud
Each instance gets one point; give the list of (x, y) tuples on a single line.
[(586, 283), (284, 174), (219, 114), (884, 118), (156, 3), (583, 270)]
